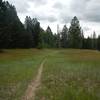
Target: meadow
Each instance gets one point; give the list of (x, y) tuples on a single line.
[(17, 68), (68, 74), (71, 75)]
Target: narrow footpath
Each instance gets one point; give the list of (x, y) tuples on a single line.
[(32, 87)]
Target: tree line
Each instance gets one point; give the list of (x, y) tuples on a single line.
[(14, 34)]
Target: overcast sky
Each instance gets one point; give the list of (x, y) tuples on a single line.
[(53, 12)]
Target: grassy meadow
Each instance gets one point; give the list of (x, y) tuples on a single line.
[(17, 68), (67, 74), (71, 75)]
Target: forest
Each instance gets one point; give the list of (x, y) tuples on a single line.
[(30, 34)]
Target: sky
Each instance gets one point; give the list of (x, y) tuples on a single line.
[(53, 12)]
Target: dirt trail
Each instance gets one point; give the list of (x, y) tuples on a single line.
[(32, 87)]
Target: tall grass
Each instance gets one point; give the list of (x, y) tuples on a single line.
[(71, 75), (17, 68), (67, 74)]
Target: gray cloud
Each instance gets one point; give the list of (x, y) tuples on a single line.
[(93, 11), (44, 17), (79, 5), (58, 5), (38, 2), (87, 10), (24, 5), (65, 18), (86, 28), (49, 18)]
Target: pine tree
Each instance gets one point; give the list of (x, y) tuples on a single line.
[(94, 41), (33, 26), (98, 43), (88, 44), (12, 32), (36, 31), (42, 37), (64, 37), (75, 34), (58, 40), (49, 36)]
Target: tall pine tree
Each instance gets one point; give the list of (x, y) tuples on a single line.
[(12, 32), (33, 26), (64, 37), (75, 34)]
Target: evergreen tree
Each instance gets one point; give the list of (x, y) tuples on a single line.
[(55, 40), (36, 31), (58, 40), (75, 34), (12, 32), (33, 26), (47, 39), (88, 43), (49, 36), (83, 40), (3, 36), (94, 41), (98, 43), (42, 39), (64, 37)]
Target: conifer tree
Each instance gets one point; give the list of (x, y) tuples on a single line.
[(64, 37), (75, 34)]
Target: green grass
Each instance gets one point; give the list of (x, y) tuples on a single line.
[(71, 75), (67, 74), (17, 68)]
